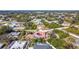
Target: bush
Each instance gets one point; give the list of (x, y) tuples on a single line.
[(38, 40), (30, 25), (51, 25), (3, 30), (54, 25)]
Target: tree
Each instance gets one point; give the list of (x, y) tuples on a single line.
[(30, 25), (3, 30), (40, 40)]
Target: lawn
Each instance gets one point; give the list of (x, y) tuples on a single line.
[(54, 25), (52, 18), (61, 34), (61, 44), (73, 30), (57, 43)]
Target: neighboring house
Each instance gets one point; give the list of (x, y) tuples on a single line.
[(3, 16), (14, 34), (3, 23), (39, 34), (65, 24), (32, 17), (37, 21), (41, 27), (18, 45), (42, 46), (17, 25)]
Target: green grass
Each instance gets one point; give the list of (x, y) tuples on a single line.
[(61, 44), (54, 25), (30, 25), (58, 43), (61, 34), (73, 30), (51, 19), (77, 23), (68, 20)]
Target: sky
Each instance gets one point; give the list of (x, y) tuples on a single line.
[(39, 5)]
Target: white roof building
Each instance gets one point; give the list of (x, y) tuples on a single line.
[(37, 21), (19, 45), (17, 25), (14, 34)]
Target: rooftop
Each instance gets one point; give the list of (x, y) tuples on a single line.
[(18, 45), (15, 33), (42, 46), (40, 34)]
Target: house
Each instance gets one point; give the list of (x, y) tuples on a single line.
[(3, 23), (14, 34), (65, 24), (18, 45), (40, 34), (42, 46), (41, 27), (37, 21), (3, 16), (17, 25), (1, 20)]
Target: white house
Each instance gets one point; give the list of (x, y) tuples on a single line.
[(18, 45), (17, 25), (37, 21)]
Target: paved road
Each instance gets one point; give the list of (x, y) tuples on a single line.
[(61, 28)]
